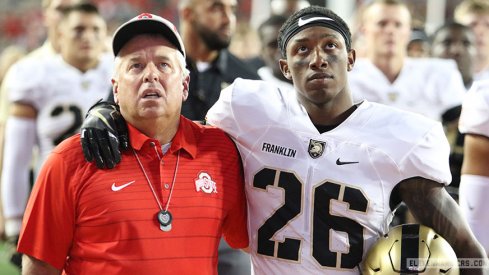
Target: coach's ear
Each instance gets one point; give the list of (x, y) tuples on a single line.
[(186, 85), (115, 90), (284, 67)]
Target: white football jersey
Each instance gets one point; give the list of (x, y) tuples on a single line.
[(475, 110), (266, 74), (427, 86), (43, 52), (317, 202), (482, 75), (61, 95)]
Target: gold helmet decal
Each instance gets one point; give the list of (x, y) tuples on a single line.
[(411, 249)]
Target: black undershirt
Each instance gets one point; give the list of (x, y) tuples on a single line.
[(326, 128)]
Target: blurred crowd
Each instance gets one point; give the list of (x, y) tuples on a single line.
[(20, 20), (21, 29)]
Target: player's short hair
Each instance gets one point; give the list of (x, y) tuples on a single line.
[(447, 26), (366, 7), (45, 3), (274, 20), (321, 17), (184, 3), (471, 6), (386, 2), (84, 7)]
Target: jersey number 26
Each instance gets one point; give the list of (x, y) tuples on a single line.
[(323, 221)]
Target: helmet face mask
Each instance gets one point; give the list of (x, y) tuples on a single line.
[(411, 249)]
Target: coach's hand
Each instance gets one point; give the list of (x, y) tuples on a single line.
[(104, 134)]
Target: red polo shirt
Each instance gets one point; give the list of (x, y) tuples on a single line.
[(87, 220)]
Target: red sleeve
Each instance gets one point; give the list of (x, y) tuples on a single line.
[(235, 223), (48, 225)]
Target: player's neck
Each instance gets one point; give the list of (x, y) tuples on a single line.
[(390, 66), (83, 65), (482, 63), (331, 113)]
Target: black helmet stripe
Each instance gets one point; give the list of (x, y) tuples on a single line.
[(409, 246)]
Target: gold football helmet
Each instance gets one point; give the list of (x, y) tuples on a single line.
[(411, 248)]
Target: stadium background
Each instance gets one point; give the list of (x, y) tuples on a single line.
[(19, 19)]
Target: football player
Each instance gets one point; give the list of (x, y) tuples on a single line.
[(474, 184), (51, 13), (50, 104), (475, 14), (457, 42), (427, 86)]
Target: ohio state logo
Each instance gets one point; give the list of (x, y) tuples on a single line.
[(205, 184)]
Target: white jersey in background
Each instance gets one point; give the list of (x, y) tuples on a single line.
[(474, 118), (482, 75), (46, 51), (266, 74), (317, 202), (427, 86), (61, 94)]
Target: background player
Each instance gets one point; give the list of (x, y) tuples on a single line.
[(270, 53), (49, 98), (427, 86), (51, 15), (457, 42), (432, 87), (474, 184), (475, 14)]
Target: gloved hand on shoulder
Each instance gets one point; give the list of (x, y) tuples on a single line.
[(104, 135)]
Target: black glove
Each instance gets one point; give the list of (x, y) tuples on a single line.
[(103, 132)]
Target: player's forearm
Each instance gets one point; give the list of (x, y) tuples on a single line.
[(448, 221), (19, 142), (433, 207)]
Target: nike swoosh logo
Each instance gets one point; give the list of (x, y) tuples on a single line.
[(339, 162), (116, 188), (302, 22)]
